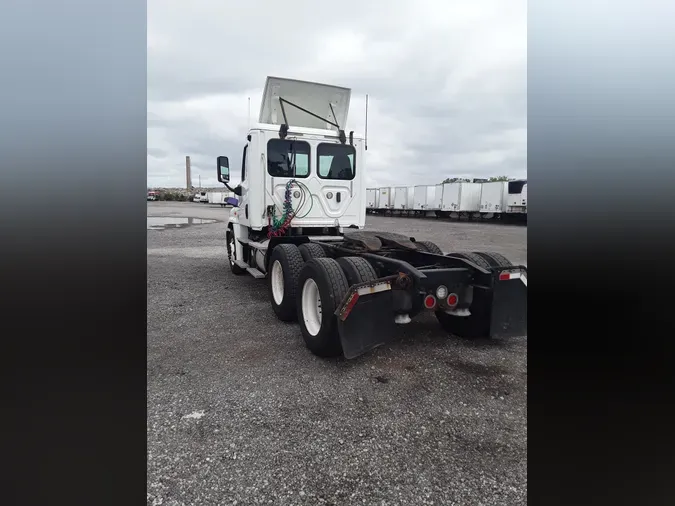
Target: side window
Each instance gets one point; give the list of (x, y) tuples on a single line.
[(287, 158), (336, 161), (243, 164)]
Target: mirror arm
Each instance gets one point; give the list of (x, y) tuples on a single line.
[(233, 190)]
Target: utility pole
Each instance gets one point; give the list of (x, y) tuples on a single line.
[(188, 174)]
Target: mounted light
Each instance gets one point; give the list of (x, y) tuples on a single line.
[(441, 292), (452, 300), (429, 302)]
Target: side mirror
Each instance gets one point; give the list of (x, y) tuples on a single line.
[(223, 169)]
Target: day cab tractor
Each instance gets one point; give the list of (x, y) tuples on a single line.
[(299, 222)]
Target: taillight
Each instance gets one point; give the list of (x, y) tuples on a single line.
[(429, 302), (452, 300), (504, 276)]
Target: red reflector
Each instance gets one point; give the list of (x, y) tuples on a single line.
[(429, 301), (452, 300), (350, 305), (504, 276)]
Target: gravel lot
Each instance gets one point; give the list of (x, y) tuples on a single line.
[(240, 412)]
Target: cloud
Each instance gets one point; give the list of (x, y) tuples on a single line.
[(446, 81)]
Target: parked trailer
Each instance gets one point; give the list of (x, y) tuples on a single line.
[(516, 198), (503, 198), (371, 194), (215, 197), (401, 198), (411, 198), (461, 198), (423, 197), (438, 198), (386, 198), (349, 291), (493, 198)]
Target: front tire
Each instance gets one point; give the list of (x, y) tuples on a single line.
[(284, 269), (321, 287), (232, 252)]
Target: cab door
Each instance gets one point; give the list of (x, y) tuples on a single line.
[(244, 198)]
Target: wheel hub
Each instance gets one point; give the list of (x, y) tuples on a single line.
[(311, 307)]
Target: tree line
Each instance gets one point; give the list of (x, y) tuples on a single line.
[(476, 180)]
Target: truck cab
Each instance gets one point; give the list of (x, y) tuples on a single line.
[(300, 172)]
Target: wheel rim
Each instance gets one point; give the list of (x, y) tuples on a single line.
[(311, 307), (277, 280)]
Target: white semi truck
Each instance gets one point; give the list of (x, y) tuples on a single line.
[(299, 223)]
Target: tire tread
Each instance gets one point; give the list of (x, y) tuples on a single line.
[(430, 247), (287, 310)]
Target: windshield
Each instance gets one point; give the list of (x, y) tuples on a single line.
[(285, 155), (336, 161)]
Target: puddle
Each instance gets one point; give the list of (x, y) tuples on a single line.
[(165, 222)]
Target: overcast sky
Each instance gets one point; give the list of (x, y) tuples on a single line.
[(446, 81)]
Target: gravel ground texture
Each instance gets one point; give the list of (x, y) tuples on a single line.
[(240, 412)]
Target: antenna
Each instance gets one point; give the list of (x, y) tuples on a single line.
[(366, 132), (249, 113)]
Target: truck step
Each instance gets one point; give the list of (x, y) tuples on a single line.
[(255, 272), (241, 264)]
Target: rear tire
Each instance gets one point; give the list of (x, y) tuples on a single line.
[(232, 252), (429, 247), (284, 269), (311, 250), (357, 270), (321, 287), (473, 258), (494, 259)]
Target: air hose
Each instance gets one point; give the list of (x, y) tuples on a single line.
[(278, 226)]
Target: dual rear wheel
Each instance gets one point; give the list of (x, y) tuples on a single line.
[(307, 286)]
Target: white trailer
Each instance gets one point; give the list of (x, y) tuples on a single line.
[(437, 201), (215, 197), (386, 198), (516, 198), (493, 198), (461, 197), (504, 197), (371, 197), (424, 197), (401, 198), (411, 198)]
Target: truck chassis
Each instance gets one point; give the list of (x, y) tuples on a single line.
[(349, 293)]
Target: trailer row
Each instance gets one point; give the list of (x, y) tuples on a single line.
[(213, 198), (478, 200)]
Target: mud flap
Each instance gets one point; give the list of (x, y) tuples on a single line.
[(508, 317), (366, 318)]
